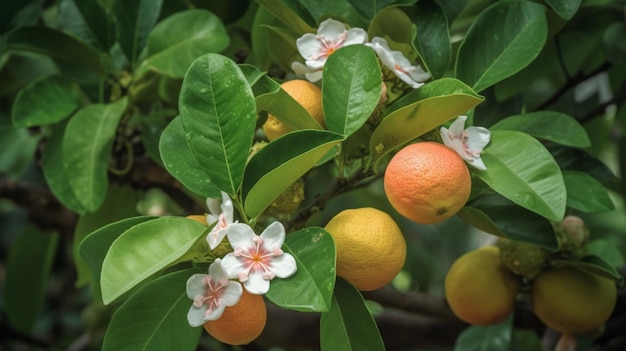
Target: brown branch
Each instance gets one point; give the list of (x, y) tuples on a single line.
[(428, 305)]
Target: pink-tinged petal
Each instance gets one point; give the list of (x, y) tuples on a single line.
[(227, 208), (457, 146), (215, 236), (273, 236), (477, 138), (309, 46), (232, 265), (478, 163), (214, 314), (232, 294), (446, 136), (195, 286), (331, 29), (284, 266), (355, 36), (210, 219), (256, 283), (300, 69), (458, 127), (195, 316), (216, 270), (241, 235), (214, 207)]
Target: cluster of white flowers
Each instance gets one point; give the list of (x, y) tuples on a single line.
[(333, 35), (255, 260)]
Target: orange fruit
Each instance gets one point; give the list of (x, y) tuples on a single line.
[(427, 182), (242, 323), (306, 94), (370, 247), (198, 218), (480, 289), (572, 301)]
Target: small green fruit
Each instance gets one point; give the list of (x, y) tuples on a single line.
[(522, 258)]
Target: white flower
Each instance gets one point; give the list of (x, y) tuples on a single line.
[(400, 65), (315, 48), (468, 143), (258, 259), (223, 217), (211, 293)]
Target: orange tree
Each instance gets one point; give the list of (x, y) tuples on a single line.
[(141, 198)]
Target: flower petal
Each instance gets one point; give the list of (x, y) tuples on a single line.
[(232, 294), (215, 313), (195, 316), (283, 266), (314, 76), (273, 236), (195, 285), (240, 235), (309, 46), (216, 270), (355, 36), (227, 208), (331, 29), (232, 265), (478, 163), (477, 138), (458, 126), (256, 283), (215, 236)]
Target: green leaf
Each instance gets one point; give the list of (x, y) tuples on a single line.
[(87, 145), (219, 116), (286, 159), (503, 39), (499, 216), (421, 111), (180, 163), (395, 26), (593, 264), (433, 37), (144, 250), (580, 160), (158, 314), (292, 13), (120, 203), (270, 97), (608, 249), (521, 169), (614, 44), (181, 38), (348, 325), (566, 9), (495, 337), (88, 21), (56, 44), (351, 88), (585, 193), (368, 9), (25, 285), (18, 147), (550, 125), (94, 247), (310, 289), (56, 177), (45, 101), (134, 21)]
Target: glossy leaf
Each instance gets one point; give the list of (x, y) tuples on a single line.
[(499, 216), (144, 250), (219, 116), (178, 40), (310, 289), (18, 147), (25, 283), (291, 13), (433, 37), (351, 88), (348, 325), (585, 193), (421, 111), (495, 337), (609, 249), (87, 145), (369, 9), (549, 125), (521, 169), (94, 247), (47, 41), (502, 40), (614, 44), (593, 264), (120, 202), (566, 9), (56, 176), (87, 20), (180, 163), (580, 160), (45, 101), (134, 21), (158, 314), (395, 26), (286, 159)]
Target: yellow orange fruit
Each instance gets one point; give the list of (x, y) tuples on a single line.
[(306, 94), (198, 218), (572, 301), (427, 182), (480, 289), (371, 249), (242, 323)]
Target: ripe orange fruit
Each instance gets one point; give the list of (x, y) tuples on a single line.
[(427, 182), (370, 247), (306, 94), (242, 323), (198, 218), (480, 289), (572, 301)]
